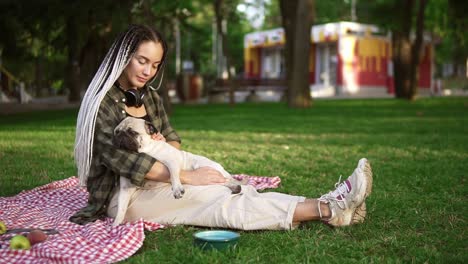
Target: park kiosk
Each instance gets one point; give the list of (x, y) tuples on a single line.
[(346, 59)]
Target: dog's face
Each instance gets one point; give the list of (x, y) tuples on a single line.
[(132, 132)]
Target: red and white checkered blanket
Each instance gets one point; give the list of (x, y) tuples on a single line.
[(259, 182), (49, 207)]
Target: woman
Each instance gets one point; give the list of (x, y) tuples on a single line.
[(121, 88)]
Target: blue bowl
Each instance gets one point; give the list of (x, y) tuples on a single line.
[(216, 239)]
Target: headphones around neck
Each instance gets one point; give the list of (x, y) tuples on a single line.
[(133, 97)]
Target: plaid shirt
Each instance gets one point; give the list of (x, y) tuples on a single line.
[(109, 162)]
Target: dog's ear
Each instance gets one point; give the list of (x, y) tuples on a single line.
[(126, 139)]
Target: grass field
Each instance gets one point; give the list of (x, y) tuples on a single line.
[(419, 153)]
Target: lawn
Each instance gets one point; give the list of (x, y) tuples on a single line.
[(418, 150)]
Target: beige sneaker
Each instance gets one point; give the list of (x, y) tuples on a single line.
[(359, 214), (347, 201)]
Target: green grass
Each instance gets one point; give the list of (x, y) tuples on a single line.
[(419, 152)]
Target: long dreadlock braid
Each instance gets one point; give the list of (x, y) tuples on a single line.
[(115, 61)]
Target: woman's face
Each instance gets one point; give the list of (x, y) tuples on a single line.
[(142, 66)]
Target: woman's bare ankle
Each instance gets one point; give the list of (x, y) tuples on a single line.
[(325, 210)]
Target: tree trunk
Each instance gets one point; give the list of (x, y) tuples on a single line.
[(297, 17), (91, 53), (417, 49), (39, 76), (219, 13), (401, 46), (72, 68), (407, 54)]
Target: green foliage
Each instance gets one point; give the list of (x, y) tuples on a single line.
[(198, 35), (445, 21), (27, 38), (456, 83), (198, 29), (272, 15), (34, 32), (332, 11), (416, 213), (34, 35), (456, 31), (237, 29), (381, 13), (325, 12)]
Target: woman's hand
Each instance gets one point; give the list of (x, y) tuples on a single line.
[(158, 136), (202, 176)]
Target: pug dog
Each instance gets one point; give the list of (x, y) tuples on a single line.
[(134, 134)]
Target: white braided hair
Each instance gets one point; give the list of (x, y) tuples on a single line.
[(115, 61)]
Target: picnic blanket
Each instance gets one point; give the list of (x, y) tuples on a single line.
[(49, 207)]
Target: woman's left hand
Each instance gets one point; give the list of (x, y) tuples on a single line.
[(158, 136), (202, 176)]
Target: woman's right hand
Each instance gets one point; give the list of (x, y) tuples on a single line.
[(202, 176)]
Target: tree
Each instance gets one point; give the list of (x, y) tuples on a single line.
[(406, 19), (149, 17), (221, 8), (458, 22), (72, 76), (58, 38), (88, 30), (297, 18), (28, 43), (407, 51)]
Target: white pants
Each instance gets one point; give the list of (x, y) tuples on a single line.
[(210, 206)]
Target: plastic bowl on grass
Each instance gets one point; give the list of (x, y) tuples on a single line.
[(216, 239)]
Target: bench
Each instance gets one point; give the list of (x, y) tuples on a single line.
[(252, 85), (242, 84)]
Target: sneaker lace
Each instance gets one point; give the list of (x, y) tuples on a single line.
[(341, 189)]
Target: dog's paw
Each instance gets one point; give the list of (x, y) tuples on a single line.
[(178, 191), (235, 189), (234, 185)]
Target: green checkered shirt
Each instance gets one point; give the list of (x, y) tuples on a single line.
[(109, 162)]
